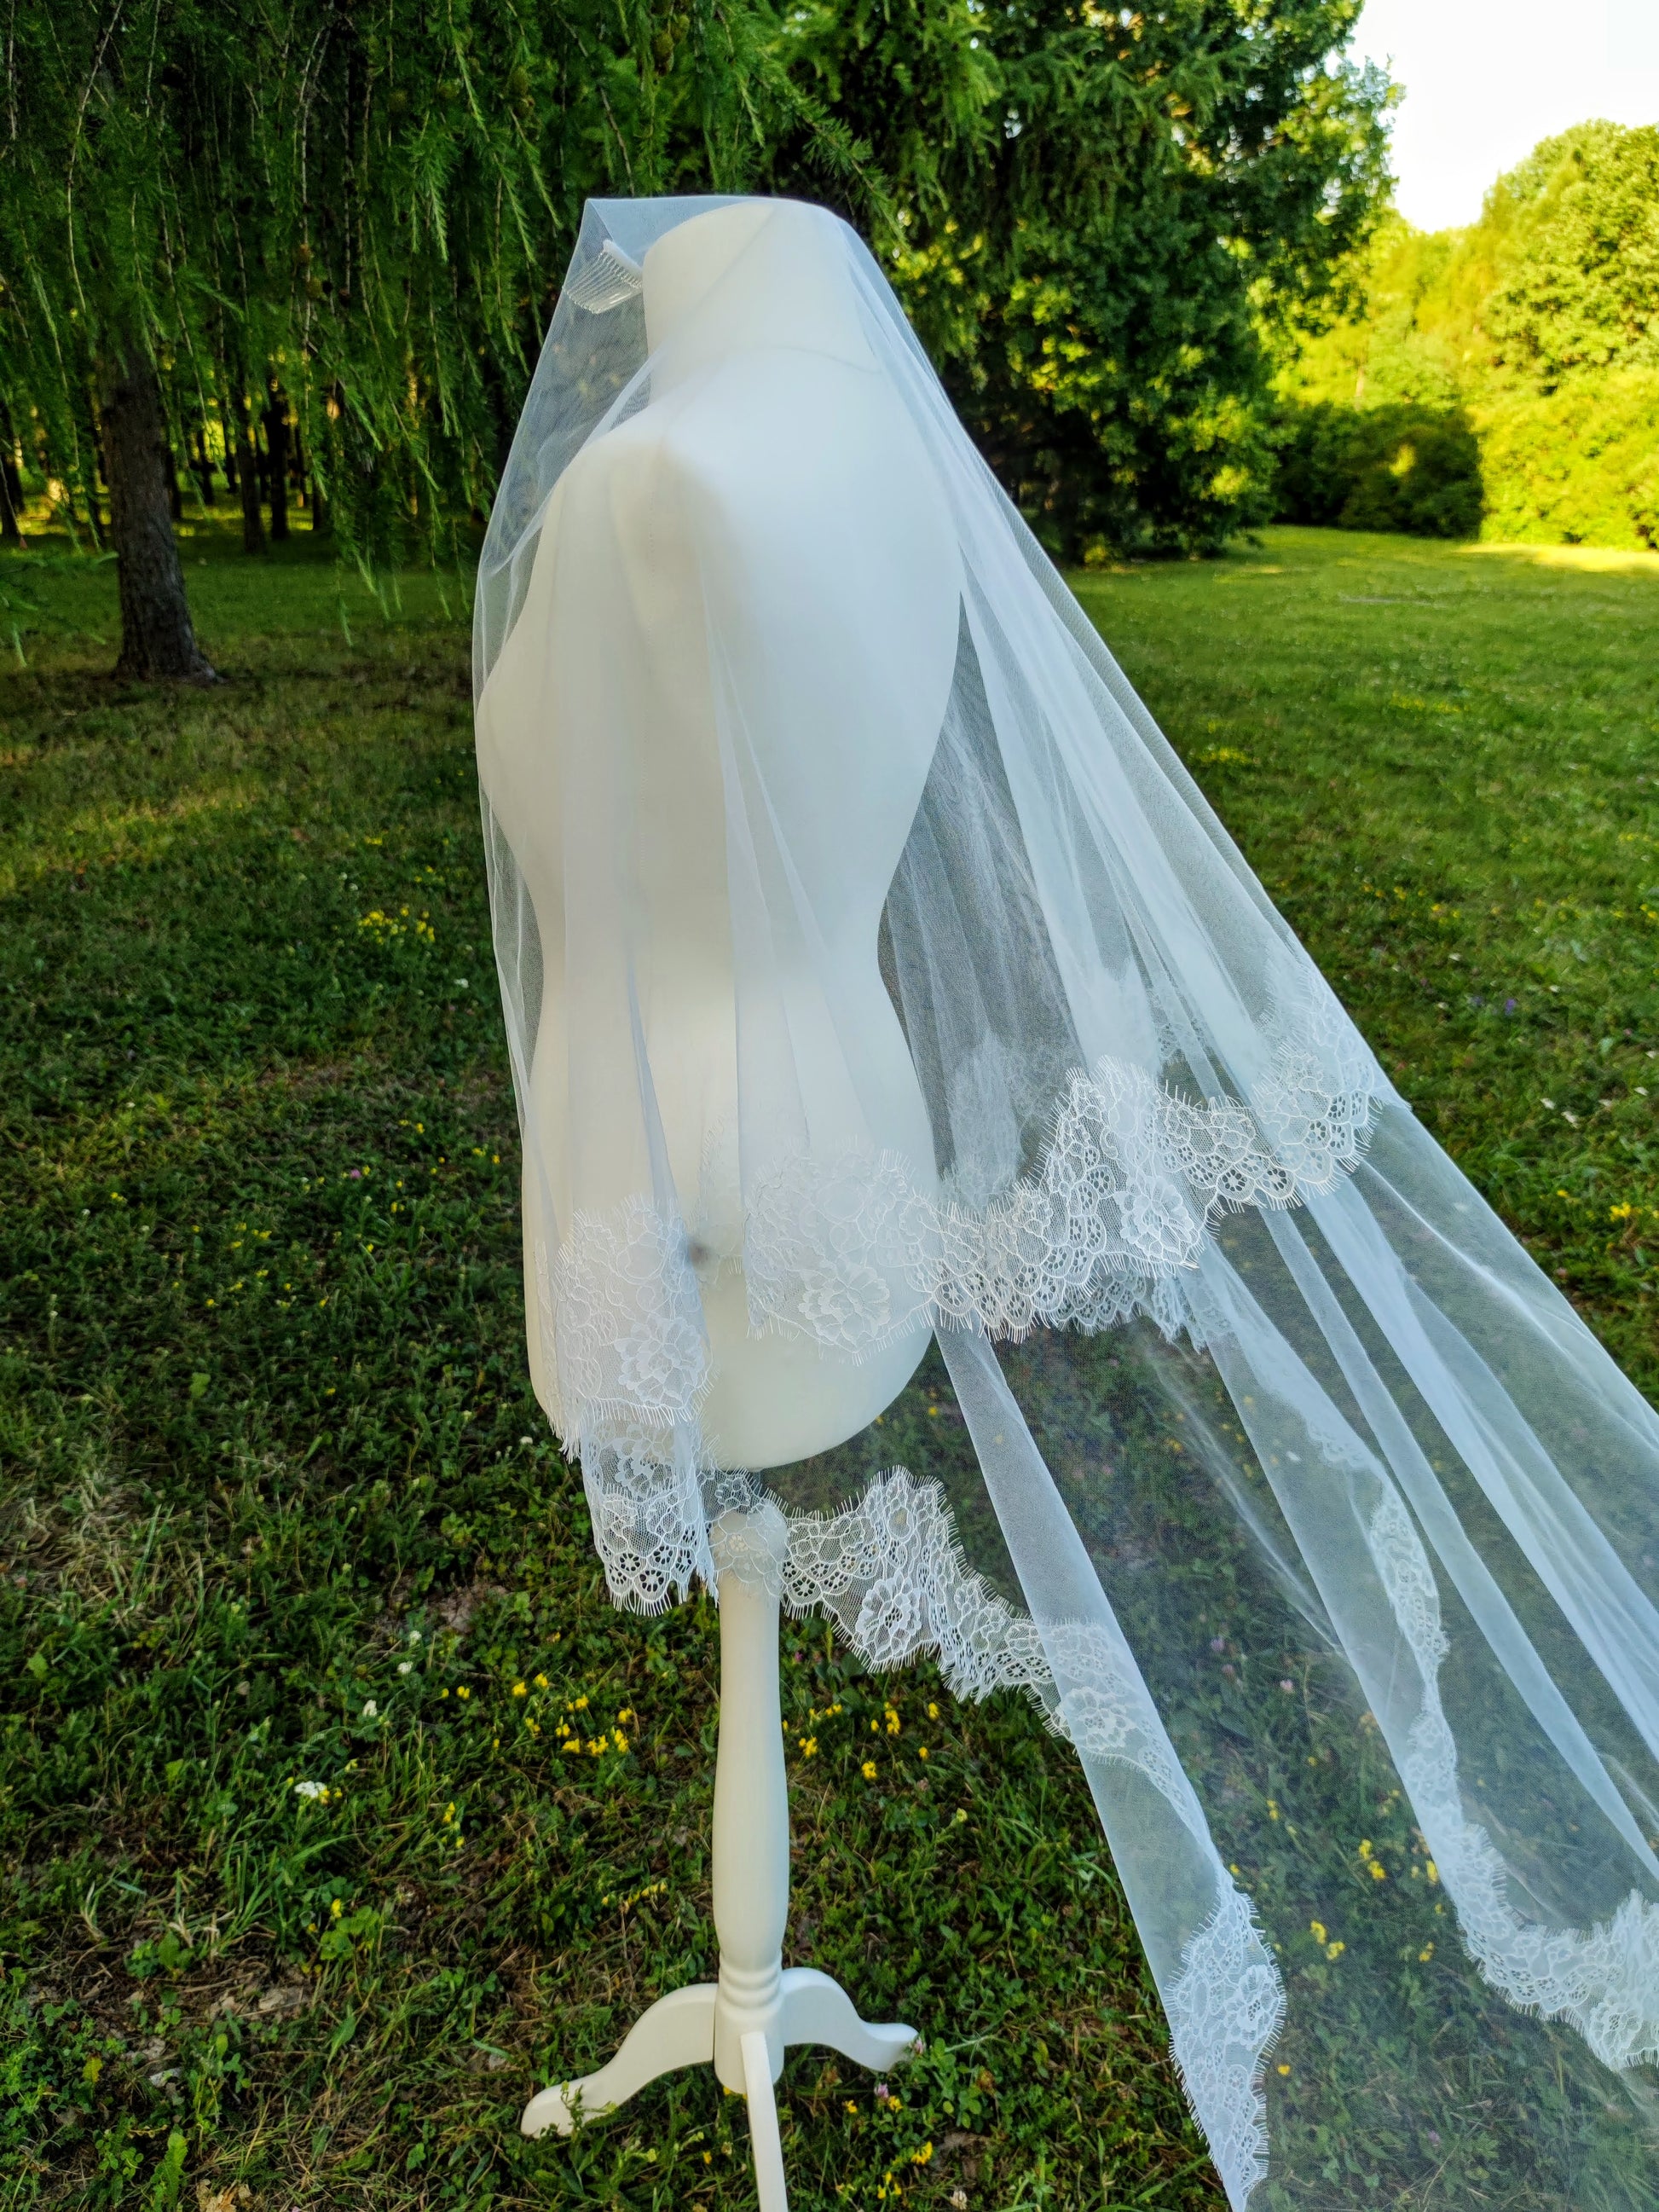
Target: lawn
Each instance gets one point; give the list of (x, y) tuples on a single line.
[(278, 1508)]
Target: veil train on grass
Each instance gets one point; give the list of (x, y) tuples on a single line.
[(1228, 1422)]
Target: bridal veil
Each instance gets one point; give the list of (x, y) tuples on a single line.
[(929, 1123)]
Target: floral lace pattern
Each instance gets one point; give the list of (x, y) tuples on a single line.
[(650, 1523), (628, 1324), (1104, 1709), (846, 1252), (890, 1573), (1225, 2009), (1603, 1981)]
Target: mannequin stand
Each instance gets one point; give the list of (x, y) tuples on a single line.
[(746, 2020)]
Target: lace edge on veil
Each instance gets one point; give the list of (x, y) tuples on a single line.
[(1603, 1980), (847, 1252), (890, 1573)]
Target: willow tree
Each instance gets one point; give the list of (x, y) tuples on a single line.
[(97, 303), (355, 218)]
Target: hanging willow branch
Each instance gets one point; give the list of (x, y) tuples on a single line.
[(365, 209), (353, 217)]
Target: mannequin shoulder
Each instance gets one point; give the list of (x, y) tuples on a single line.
[(635, 482), (762, 429)]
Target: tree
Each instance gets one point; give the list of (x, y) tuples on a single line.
[(345, 223), (90, 205), (1107, 257), (1584, 292), (346, 227), (1538, 325)]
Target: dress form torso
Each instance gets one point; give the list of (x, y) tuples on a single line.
[(742, 500)]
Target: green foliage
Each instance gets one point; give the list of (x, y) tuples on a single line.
[(1101, 281), (263, 1423), (1582, 287), (1542, 322), (360, 216), (1406, 467), (370, 207), (1578, 465)]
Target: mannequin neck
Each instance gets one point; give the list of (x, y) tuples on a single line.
[(759, 275)]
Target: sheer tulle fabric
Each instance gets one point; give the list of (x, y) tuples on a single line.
[(1253, 1448)]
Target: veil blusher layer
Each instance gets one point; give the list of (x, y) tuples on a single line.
[(1206, 1294)]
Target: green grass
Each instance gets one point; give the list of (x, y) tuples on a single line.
[(267, 1442)]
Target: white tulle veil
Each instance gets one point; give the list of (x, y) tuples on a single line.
[(1249, 1443)]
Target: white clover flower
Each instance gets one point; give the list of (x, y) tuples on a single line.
[(370, 1709), (312, 1791), (405, 1666)]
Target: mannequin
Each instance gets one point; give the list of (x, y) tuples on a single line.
[(745, 308), (709, 512)]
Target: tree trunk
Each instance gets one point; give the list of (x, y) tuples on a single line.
[(11, 486), (202, 467), (11, 502), (247, 472), (277, 448), (157, 638)]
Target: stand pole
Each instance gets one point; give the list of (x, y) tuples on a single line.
[(744, 2022), (751, 1832)]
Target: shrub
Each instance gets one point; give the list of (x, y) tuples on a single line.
[(1579, 466), (1541, 318), (1411, 468)]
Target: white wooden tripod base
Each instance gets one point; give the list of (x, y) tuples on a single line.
[(744, 2022)]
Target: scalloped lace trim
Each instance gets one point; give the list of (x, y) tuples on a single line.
[(890, 1573), (1604, 1980), (1225, 2009), (1226, 2005), (846, 1251)]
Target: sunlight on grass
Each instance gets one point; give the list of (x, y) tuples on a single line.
[(1587, 559)]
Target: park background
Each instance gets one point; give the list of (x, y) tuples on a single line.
[(303, 1890)]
